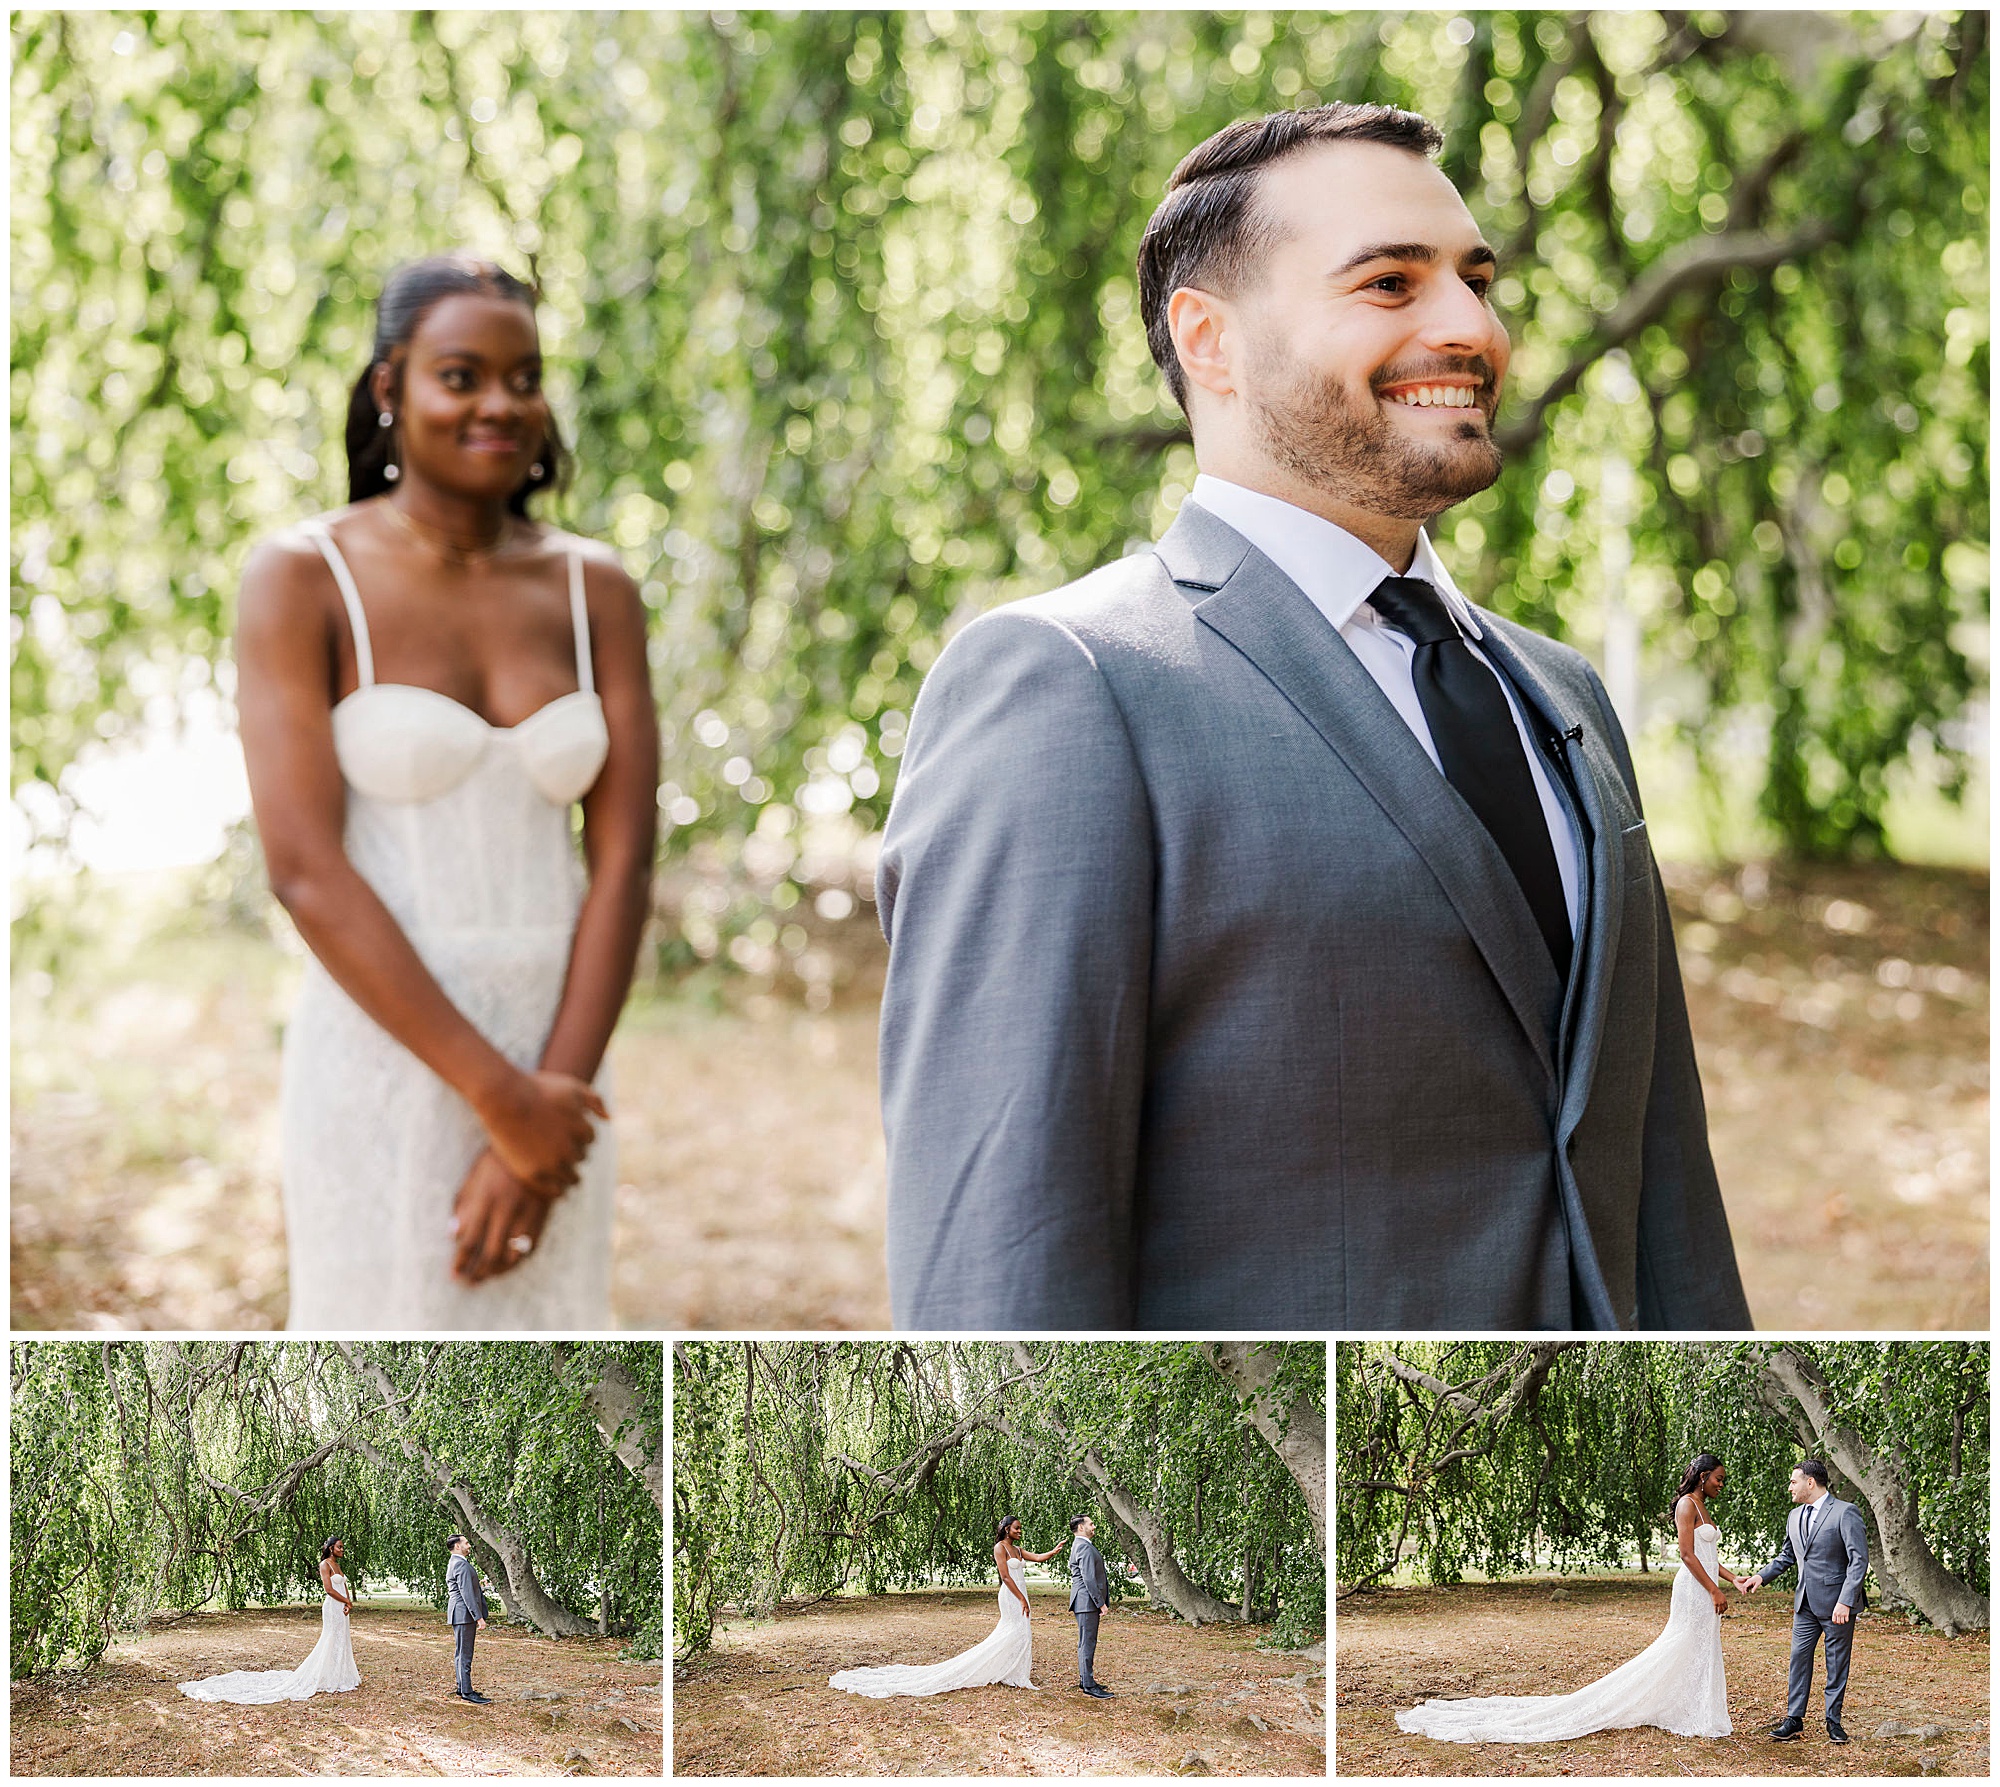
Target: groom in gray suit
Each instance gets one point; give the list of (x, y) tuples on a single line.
[(1089, 1595), (465, 1610), (1826, 1541), (1274, 936)]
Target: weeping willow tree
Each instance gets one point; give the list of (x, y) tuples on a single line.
[(807, 1469), (1505, 1457), (841, 314), (153, 1479)]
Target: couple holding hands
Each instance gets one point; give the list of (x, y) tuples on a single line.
[(1677, 1682)]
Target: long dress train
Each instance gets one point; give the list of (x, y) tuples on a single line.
[(1676, 1683), (1004, 1655), (328, 1670)]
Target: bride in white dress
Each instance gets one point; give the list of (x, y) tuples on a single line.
[(329, 1670), (1004, 1656), (1676, 1682), (429, 681)]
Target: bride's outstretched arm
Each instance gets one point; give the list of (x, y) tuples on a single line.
[(1041, 1557)]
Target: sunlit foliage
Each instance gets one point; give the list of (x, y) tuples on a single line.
[(794, 1472), (1586, 1473), (842, 317), (150, 1475)]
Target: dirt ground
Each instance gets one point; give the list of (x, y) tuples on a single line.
[(1398, 1647), (1840, 1019), (572, 1707), (1194, 1701)]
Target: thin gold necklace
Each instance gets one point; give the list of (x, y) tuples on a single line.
[(445, 548)]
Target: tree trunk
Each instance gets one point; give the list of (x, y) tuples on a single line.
[(603, 1592), (1296, 1433), (1165, 1579), (1801, 1391), (520, 1588), (631, 1430)]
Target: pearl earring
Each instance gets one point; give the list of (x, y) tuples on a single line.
[(384, 419), (535, 470), (392, 471)]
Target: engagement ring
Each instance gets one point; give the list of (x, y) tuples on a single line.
[(521, 1244)]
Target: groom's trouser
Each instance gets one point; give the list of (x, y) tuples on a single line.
[(1807, 1631), (464, 1635), (1086, 1644)]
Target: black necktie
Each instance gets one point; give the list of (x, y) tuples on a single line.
[(1480, 749)]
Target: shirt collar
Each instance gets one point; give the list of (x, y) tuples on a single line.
[(1337, 572)]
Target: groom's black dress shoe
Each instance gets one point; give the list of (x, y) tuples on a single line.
[(1788, 1731), (1836, 1733), (1097, 1693)]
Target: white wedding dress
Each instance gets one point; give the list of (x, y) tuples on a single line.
[(329, 1670), (463, 829), (1676, 1682), (1004, 1656)]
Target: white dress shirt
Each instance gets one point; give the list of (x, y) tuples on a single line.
[(1338, 574)]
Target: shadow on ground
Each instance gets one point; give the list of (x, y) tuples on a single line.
[(1189, 1701), (1840, 1018), (568, 1707), (1397, 1647)]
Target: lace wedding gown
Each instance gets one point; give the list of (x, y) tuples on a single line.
[(1004, 1655), (1676, 1682), (329, 1670), (463, 829)]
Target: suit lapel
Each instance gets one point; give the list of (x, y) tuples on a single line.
[(1246, 599), (1819, 1521)]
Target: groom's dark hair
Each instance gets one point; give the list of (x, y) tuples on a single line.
[(451, 1544), (1078, 1521), (1815, 1470), (1209, 228)]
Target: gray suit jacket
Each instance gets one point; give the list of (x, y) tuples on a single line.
[(1089, 1581), (1832, 1565), (464, 1599), (1212, 1005)]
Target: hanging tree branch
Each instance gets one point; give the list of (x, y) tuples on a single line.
[(545, 1613), (1793, 1386), (1294, 1428), (1165, 1578)]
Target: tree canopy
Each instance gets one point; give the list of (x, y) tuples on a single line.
[(1504, 1457), (841, 314), (807, 1468), (169, 1475)]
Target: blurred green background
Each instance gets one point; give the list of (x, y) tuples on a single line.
[(842, 321)]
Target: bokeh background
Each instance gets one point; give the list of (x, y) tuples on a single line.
[(841, 318)]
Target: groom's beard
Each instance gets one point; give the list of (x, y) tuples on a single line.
[(1316, 431)]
